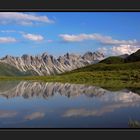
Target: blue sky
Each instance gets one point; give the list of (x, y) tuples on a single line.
[(57, 33)]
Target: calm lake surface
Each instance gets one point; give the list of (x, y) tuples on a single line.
[(55, 105)]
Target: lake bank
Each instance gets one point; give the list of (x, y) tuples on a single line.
[(108, 83)]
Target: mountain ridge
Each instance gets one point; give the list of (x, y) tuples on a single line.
[(134, 57), (46, 64), (125, 58)]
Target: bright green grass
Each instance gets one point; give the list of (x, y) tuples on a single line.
[(120, 79), (115, 76)]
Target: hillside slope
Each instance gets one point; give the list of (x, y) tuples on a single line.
[(8, 70), (109, 67), (114, 76), (134, 57), (108, 75), (113, 60)]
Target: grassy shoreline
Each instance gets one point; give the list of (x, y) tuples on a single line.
[(125, 75), (102, 79)]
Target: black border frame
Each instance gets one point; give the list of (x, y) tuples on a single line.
[(69, 6)]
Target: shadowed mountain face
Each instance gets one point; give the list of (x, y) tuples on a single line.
[(46, 64), (134, 57), (9, 70)]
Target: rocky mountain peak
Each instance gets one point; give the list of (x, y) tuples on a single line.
[(46, 64), (45, 54), (93, 57), (25, 56), (7, 57)]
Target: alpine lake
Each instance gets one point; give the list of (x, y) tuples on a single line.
[(28, 104)]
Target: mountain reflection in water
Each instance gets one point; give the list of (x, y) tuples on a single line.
[(58, 105), (46, 90)]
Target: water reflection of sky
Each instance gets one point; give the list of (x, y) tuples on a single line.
[(56, 105)]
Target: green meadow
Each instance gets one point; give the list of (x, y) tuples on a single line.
[(115, 76)]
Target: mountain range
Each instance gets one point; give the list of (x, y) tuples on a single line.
[(46, 64)]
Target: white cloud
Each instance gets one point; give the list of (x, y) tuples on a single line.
[(115, 47), (35, 115), (103, 50), (7, 114), (29, 36), (33, 37), (25, 23), (119, 50), (124, 49), (107, 40), (73, 38), (22, 18), (7, 40)]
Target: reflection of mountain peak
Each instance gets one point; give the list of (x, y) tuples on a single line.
[(45, 90)]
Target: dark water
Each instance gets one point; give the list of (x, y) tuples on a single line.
[(56, 105)]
